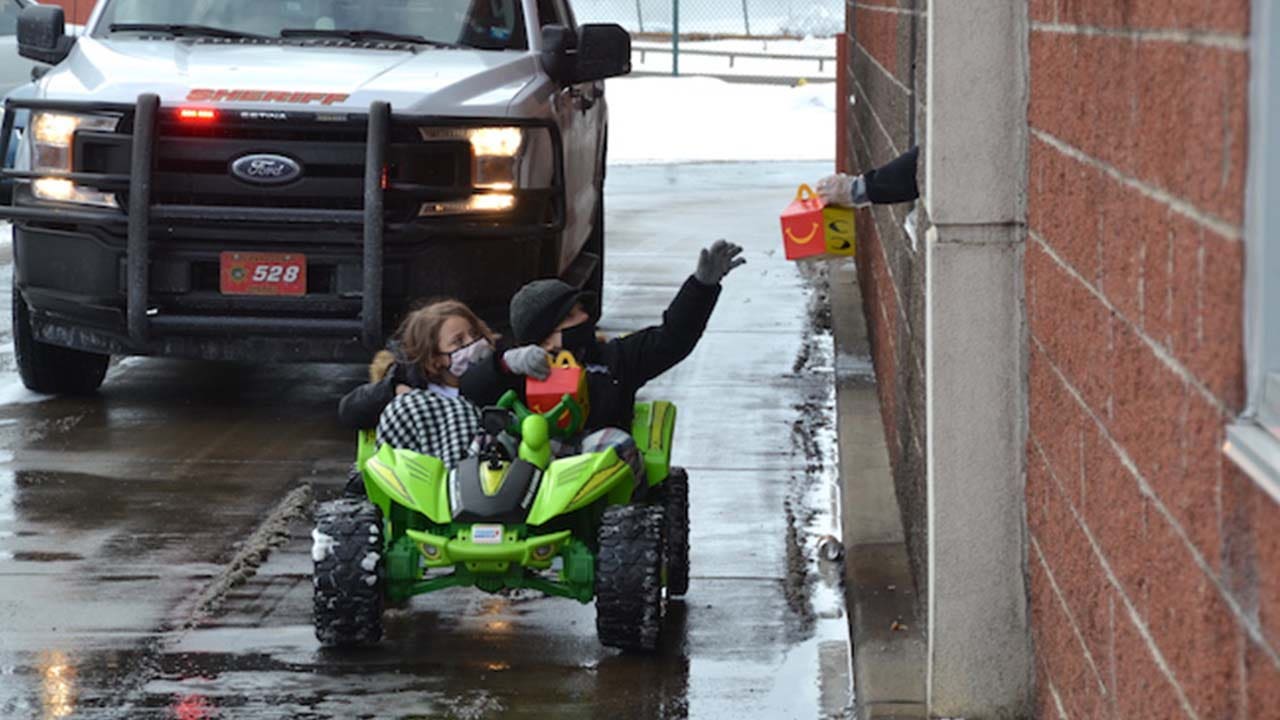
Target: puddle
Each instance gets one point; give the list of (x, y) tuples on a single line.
[(38, 556)]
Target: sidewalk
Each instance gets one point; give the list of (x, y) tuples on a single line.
[(888, 638)]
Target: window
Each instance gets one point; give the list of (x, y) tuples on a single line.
[(483, 24), (9, 17), (549, 13), (555, 12), (1253, 441)]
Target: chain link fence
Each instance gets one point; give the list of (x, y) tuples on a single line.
[(706, 19)]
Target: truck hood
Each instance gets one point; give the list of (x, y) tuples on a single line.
[(458, 82)]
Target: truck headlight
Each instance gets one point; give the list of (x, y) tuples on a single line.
[(52, 142), (503, 159), (495, 157), (496, 141)]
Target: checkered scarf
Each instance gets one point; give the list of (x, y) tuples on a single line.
[(431, 424)]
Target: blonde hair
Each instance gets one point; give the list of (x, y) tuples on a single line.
[(419, 333)]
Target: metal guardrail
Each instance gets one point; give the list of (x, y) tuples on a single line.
[(645, 49)]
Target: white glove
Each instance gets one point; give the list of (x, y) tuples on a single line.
[(529, 360), (843, 190)]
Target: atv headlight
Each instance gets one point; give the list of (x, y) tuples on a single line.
[(52, 143)]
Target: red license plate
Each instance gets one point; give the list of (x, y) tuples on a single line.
[(247, 273)]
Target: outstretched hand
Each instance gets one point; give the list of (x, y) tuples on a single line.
[(836, 189), (529, 360), (718, 261)]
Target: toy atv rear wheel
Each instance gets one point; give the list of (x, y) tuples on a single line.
[(629, 601), (350, 575), (675, 498)]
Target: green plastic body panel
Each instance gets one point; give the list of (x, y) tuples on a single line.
[(534, 552), (576, 482), (416, 481), (425, 551), (654, 428)]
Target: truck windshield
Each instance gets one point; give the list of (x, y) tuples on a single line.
[(483, 24)]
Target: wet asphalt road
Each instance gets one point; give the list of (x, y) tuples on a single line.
[(127, 520)]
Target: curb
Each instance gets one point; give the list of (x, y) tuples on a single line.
[(889, 647)]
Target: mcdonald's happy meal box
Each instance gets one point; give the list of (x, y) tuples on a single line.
[(810, 228)]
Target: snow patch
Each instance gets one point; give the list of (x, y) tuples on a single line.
[(370, 561), (697, 119), (13, 392), (370, 580), (322, 545)]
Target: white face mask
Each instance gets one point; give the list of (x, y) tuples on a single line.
[(462, 359)]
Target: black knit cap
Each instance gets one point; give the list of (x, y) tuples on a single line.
[(538, 308)]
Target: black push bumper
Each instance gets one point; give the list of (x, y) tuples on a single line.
[(136, 280)]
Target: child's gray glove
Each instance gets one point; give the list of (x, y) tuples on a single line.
[(843, 190), (529, 360), (717, 261)]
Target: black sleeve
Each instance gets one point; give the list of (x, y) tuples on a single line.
[(896, 181), (485, 382), (361, 408), (649, 353)]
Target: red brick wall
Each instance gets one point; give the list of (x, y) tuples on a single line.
[(885, 65), (77, 10), (1154, 564)]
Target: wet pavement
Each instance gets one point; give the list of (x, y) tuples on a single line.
[(154, 545)]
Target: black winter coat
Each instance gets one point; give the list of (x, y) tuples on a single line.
[(895, 182), (617, 369), (361, 408)]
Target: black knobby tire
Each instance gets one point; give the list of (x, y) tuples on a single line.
[(629, 601), (675, 498), (50, 369), (350, 575)]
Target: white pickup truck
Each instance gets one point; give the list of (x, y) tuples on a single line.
[(280, 180)]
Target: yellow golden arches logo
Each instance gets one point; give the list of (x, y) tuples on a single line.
[(813, 231)]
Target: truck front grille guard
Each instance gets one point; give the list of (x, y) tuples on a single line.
[(141, 212)]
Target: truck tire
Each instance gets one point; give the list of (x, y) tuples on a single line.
[(595, 246), (50, 369), (629, 602), (350, 576), (675, 497)]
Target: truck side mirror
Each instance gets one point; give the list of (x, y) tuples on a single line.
[(42, 34), (558, 44), (604, 51)]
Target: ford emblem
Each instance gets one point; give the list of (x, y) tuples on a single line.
[(266, 169)]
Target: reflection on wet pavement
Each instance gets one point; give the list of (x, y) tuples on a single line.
[(118, 511)]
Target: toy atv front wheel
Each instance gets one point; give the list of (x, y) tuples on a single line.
[(629, 602), (349, 574), (675, 497)]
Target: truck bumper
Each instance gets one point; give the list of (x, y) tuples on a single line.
[(143, 280), (75, 281)]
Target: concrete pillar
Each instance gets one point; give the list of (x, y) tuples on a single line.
[(979, 647)]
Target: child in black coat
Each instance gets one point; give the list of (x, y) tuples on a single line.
[(548, 316)]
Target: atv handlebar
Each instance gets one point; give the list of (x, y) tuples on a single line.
[(563, 421)]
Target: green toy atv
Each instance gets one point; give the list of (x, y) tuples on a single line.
[(510, 516)]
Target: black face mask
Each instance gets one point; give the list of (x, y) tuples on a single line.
[(579, 339)]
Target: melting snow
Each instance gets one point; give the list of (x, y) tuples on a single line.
[(321, 545)]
